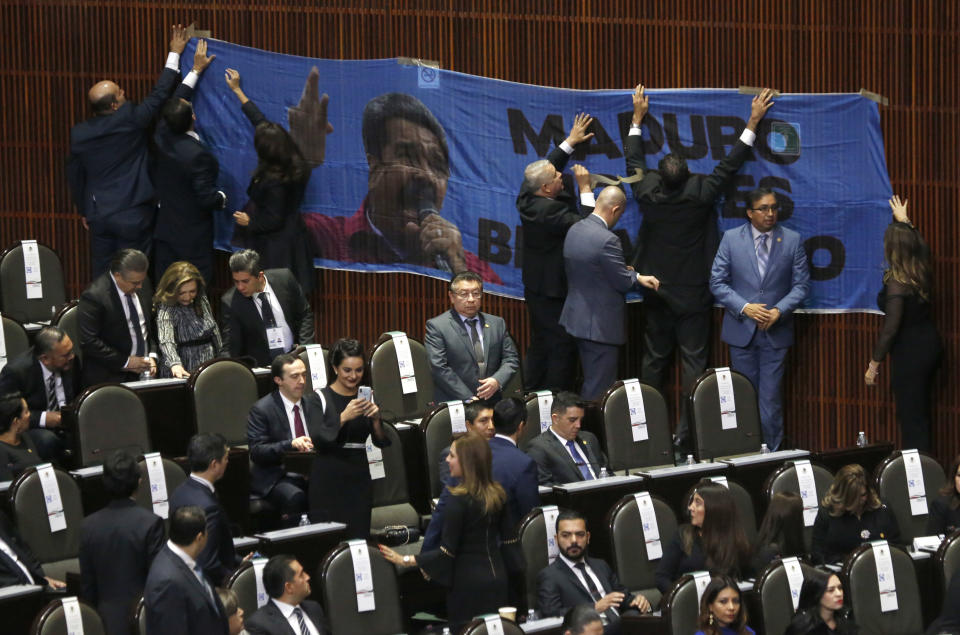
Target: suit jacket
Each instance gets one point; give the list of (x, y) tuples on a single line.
[(104, 334), (268, 620), (117, 546), (598, 279), (545, 225), (243, 330), (554, 463), (177, 604), (453, 362), (218, 557), (23, 374), (735, 281), (10, 573), (559, 588)]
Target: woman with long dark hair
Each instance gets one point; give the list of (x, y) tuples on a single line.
[(820, 608), (781, 532), (908, 334), (944, 515), (186, 331), (721, 611), (17, 451)]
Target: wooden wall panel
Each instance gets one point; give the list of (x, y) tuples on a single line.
[(906, 50)]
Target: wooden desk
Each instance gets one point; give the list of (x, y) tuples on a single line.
[(20, 604), (594, 499), (752, 471), (868, 456), (309, 545), (672, 483)]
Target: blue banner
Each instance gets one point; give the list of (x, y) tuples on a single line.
[(371, 208)]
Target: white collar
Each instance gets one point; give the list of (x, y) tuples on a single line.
[(601, 219), (204, 482), (192, 133), (286, 609), (562, 441), (287, 404), (183, 555)]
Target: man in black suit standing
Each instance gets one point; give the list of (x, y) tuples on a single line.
[(575, 578), (548, 208), (179, 598), (45, 377), (289, 610), (117, 546), (115, 320), (208, 454), (266, 313), (564, 453)]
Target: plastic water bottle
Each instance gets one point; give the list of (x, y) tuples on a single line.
[(690, 460), (861, 439), (145, 375), (764, 449), (603, 473), (304, 520), (531, 616), (446, 630)]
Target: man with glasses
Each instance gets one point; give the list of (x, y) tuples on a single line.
[(472, 356), (760, 276)]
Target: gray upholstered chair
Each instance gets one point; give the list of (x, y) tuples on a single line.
[(385, 381), (634, 569), (784, 479), (710, 440), (13, 290), (139, 621), (243, 581), (947, 559), (57, 552), (110, 417), (222, 392), (337, 581), (891, 479), (860, 582), (743, 501), (66, 319), (305, 356), (391, 497), (625, 453), (479, 627), (680, 607), (15, 337), (533, 544), (437, 434), (173, 476), (773, 587), (532, 428), (53, 621)]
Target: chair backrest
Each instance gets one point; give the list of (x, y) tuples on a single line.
[(479, 627), (743, 501), (139, 622), (532, 428), (625, 453), (680, 607), (533, 543), (773, 587), (15, 338), (784, 479), (30, 511), (66, 319), (437, 434), (110, 417), (514, 387), (710, 440), (243, 581), (385, 381), (336, 575), (947, 559), (13, 290), (52, 620), (860, 581), (173, 476), (305, 357), (634, 568), (891, 479), (222, 392), (391, 497)]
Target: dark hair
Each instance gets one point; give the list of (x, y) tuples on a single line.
[(710, 593), (383, 108), (508, 415), (673, 170), (783, 524), (203, 449), (569, 514), (47, 338), (465, 276), (472, 409), (185, 524), (343, 348), (576, 620), (276, 573), (127, 260), (104, 104), (908, 258), (725, 545), (278, 155), (246, 261), (10, 409), (121, 474), (949, 488), (564, 400), (281, 360), (755, 195), (178, 113), (815, 583)]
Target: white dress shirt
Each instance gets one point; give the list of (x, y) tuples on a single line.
[(287, 611), (61, 396), (141, 320), (578, 458), (278, 315)]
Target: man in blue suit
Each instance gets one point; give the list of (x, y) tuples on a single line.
[(760, 276), (597, 281)]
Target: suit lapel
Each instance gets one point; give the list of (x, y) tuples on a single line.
[(574, 580), (776, 244), (117, 305), (562, 448), (461, 328)]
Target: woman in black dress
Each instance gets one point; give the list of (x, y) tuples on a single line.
[(908, 334), (271, 219), (944, 515), (340, 485), (17, 451), (820, 607)]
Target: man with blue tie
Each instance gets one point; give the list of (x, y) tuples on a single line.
[(760, 276), (564, 453)]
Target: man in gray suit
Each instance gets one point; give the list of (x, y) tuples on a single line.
[(597, 280), (471, 354), (563, 452)]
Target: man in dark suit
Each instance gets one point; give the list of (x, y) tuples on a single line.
[(117, 546), (598, 278), (179, 598), (266, 313), (208, 455), (115, 321), (46, 378), (471, 354), (564, 453), (108, 169), (289, 610), (18, 565), (575, 578), (548, 209), (582, 620), (278, 423), (678, 238)]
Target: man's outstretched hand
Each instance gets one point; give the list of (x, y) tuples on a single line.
[(308, 120)]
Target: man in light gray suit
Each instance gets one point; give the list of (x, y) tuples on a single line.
[(471, 354), (563, 452), (597, 280)]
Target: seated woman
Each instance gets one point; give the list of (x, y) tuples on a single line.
[(17, 451), (820, 608), (713, 540), (781, 532), (232, 610), (721, 612), (186, 330), (944, 515), (851, 513)]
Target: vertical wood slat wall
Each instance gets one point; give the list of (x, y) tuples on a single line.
[(905, 50)]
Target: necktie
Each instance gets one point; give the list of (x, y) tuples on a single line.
[(475, 338), (298, 423), (584, 468), (595, 593), (53, 404), (203, 581), (303, 625), (763, 254), (135, 323), (269, 321)]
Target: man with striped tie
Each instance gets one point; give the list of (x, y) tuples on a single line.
[(289, 610)]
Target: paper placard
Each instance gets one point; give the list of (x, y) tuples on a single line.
[(913, 468), (808, 492), (494, 624), (31, 269), (317, 367), (158, 484), (550, 513), (72, 615), (638, 416), (458, 423), (722, 480), (408, 382), (374, 459), (3, 345), (728, 406), (362, 576), (648, 520), (701, 579), (886, 584), (51, 497), (927, 543), (258, 565), (544, 404), (791, 567)]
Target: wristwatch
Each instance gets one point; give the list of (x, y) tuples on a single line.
[(407, 559)]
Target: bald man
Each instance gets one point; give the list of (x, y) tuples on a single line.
[(107, 169), (597, 281)]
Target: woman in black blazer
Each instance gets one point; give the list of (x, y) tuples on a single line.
[(17, 451)]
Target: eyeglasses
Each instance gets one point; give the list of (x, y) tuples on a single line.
[(463, 295), (766, 209)]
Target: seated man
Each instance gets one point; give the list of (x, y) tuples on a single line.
[(575, 578), (472, 356), (266, 314), (289, 610), (564, 453), (582, 620), (18, 565)]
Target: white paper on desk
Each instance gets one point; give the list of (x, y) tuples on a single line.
[(158, 484), (362, 576), (258, 565), (408, 382), (915, 487), (808, 492), (886, 583), (31, 269), (494, 624), (544, 404), (374, 459), (318, 368), (638, 416), (72, 615), (648, 520), (458, 422), (791, 566), (51, 497), (550, 513), (728, 406), (701, 579), (722, 480)]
